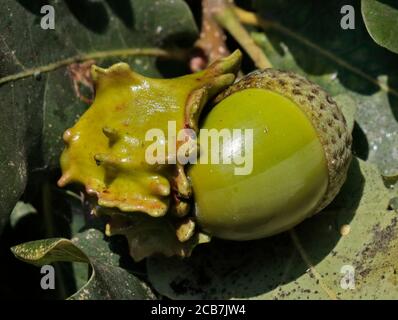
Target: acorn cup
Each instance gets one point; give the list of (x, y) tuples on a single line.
[(107, 152)]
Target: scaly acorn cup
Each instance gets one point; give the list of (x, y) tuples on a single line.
[(300, 157), (106, 149)]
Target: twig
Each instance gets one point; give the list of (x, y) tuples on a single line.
[(224, 13), (154, 52), (211, 42)]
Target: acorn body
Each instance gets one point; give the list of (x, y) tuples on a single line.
[(299, 154)]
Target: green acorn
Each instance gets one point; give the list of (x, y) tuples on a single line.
[(301, 153)]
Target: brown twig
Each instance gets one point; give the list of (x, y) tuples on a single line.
[(154, 52), (226, 17), (211, 43), (80, 75)]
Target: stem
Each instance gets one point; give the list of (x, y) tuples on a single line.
[(212, 37), (227, 18), (154, 52), (251, 18)]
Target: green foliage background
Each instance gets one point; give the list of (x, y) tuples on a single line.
[(358, 67)]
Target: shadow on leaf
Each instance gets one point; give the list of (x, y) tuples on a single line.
[(360, 145), (123, 9), (227, 269), (33, 6), (92, 15)]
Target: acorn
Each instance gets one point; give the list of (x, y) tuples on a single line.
[(298, 149), (300, 152)]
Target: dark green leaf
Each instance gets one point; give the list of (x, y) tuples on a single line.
[(107, 281), (20, 210), (381, 20)]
